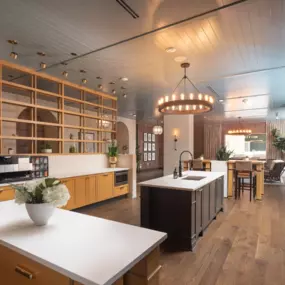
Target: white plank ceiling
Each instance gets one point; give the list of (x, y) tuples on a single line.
[(236, 52)]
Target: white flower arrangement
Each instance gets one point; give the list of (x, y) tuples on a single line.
[(48, 190)]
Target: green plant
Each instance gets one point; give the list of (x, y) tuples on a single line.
[(223, 153), (138, 157), (72, 149), (46, 146), (278, 140), (113, 149)]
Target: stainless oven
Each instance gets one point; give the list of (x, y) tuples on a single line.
[(121, 177)]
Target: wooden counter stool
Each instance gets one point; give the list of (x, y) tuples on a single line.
[(197, 164), (244, 170)]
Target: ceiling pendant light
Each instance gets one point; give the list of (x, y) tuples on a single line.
[(13, 54), (157, 130), (43, 65), (185, 103), (240, 131)]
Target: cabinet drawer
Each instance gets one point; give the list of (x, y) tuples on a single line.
[(6, 193), (16, 269), (148, 265), (121, 190), (133, 279), (105, 186)]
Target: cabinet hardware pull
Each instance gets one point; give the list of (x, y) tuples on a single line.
[(154, 273), (122, 187), (24, 272), (105, 174), (200, 190)]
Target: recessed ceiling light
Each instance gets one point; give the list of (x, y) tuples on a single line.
[(65, 73), (125, 95), (82, 71), (84, 80), (41, 53), (98, 77), (180, 58), (73, 53), (221, 100), (170, 49), (43, 65), (124, 78)]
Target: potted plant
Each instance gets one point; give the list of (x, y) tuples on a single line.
[(278, 140), (46, 148), (41, 198), (113, 153), (72, 149), (223, 153)]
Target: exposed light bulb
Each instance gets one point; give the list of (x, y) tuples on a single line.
[(173, 97), (206, 97), (43, 65), (182, 96), (191, 96), (166, 98)]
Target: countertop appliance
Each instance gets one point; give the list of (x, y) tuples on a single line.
[(121, 177)]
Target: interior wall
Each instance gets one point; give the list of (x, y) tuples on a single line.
[(122, 138), (183, 126), (143, 127), (131, 125)]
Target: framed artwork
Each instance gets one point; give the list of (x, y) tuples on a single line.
[(89, 146), (145, 146), (153, 147), (149, 147), (149, 137), (145, 137), (145, 156), (153, 156), (149, 156), (153, 137)]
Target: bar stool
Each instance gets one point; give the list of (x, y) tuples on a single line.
[(197, 164), (244, 170)]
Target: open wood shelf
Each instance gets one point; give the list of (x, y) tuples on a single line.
[(37, 92)]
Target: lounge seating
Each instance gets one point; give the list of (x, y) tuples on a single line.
[(274, 173)]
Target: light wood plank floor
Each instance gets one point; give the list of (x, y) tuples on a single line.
[(245, 245)]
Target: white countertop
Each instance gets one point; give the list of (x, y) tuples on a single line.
[(90, 250), (180, 184), (71, 174)]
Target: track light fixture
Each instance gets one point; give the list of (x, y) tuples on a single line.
[(100, 86), (84, 80), (65, 73), (13, 54), (125, 95), (114, 91), (43, 65)]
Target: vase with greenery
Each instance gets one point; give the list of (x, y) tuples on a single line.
[(223, 153), (41, 197), (46, 148), (138, 157), (113, 153), (72, 149), (278, 140)]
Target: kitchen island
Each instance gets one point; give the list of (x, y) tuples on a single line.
[(182, 207), (75, 249)]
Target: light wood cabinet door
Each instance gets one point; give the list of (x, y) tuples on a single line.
[(70, 186), (91, 189), (16, 269), (80, 192), (6, 193), (121, 190), (105, 186)]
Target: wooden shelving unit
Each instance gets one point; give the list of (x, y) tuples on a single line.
[(37, 108)]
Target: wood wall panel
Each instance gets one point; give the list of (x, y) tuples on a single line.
[(212, 140), (198, 138), (271, 151)]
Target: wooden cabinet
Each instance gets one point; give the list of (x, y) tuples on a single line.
[(219, 193), (199, 209), (121, 190), (212, 200), (17, 269), (91, 189), (206, 205), (105, 186), (71, 188), (6, 193), (80, 191)]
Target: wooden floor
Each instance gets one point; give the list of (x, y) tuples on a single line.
[(245, 245)]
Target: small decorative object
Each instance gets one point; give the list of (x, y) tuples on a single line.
[(46, 148), (145, 137), (41, 198), (125, 148), (145, 156), (72, 149), (149, 137), (10, 150), (144, 146), (113, 153), (71, 136), (175, 174), (149, 156), (153, 156), (223, 153)]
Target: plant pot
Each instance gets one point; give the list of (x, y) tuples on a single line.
[(113, 161), (40, 213), (47, 150)]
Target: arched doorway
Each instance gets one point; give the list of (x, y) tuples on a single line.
[(123, 138), (25, 130)]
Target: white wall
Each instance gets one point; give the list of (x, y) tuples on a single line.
[(131, 125), (184, 125)]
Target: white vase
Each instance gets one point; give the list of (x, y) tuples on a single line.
[(47, 150), (40, 213)]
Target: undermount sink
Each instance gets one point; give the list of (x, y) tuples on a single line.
[(196, 178)]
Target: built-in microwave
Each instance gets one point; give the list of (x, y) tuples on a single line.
[(121, 177)]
